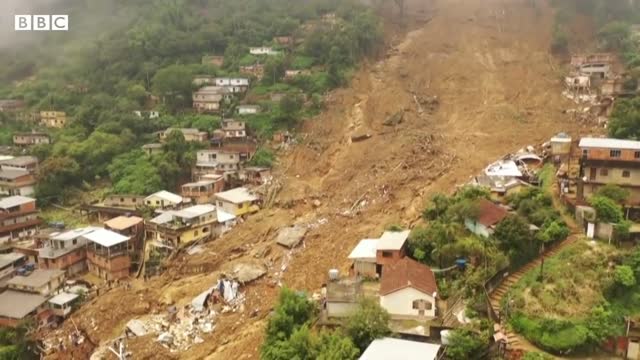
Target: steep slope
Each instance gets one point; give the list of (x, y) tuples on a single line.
[(498, 90)]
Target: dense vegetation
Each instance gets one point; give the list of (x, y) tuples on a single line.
[(148, 61), (289, 333)]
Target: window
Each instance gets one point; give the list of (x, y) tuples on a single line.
[(636, 155), (626, 174), (604, 172), (75, 241), (585, 152), (387, 254), (157, 202), (195, 233), (220, 203), (205, 230), (615, 153)]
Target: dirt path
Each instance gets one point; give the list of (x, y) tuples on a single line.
[(487, 62)]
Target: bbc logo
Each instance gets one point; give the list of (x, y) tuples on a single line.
[(41, 22)]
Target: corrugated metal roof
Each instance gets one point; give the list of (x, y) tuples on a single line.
[(165, 195), (13, 201), (397, 349), (236, 196), (366, 249), (63, 298), (609, 143), (17, 304), (36, 279), (393, 240), (105, 237)]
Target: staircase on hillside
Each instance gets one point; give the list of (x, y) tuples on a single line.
[(514, 341)]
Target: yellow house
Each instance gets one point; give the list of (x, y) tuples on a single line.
[(57, 119), (238, 201), (177, 227)]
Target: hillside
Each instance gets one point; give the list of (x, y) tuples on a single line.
[(497, 89)]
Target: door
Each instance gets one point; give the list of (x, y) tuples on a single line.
[(633, 350), (592, 174)]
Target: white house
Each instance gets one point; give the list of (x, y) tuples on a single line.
[(408, 290), (390, 348), (234, 85), (489, 215), (163, 199), (248, 109), (263, 50), (364, 258)]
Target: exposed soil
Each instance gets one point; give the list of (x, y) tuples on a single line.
[(498, 89)]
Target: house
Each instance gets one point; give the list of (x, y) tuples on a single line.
[(152, 149), (164, 199), (408, 290), (234, 129), (610, 161), (247, 109), (15, 182), (595, 65), (62, 304), (18, 218), (216, 161), (364, 258), (263, 50), (28, 163), (190, 135), (147, 114), (254, 175), (65, 251), (30, 138), (238, 201), (256, 70), (489, 215), (500, 187), (560, 145), (390, 348), (200, 80), (284, 40), (208, 98), (16, 306), (130, 226), (55, 119), (215, 60), (112, 206), (108, 254), (233, 85), (42, 282), (202, 191), (392, 247), (8, 265), (177, 227), (7, 105), (342, 297)]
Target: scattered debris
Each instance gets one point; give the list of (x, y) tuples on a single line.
[(291, 236), (248, 271), (360, 137)]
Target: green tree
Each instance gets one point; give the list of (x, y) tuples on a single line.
[(369, 322), (437, 207), (537, 356), (465, 344), (292, 311), (625, 119), (614, 192), (173, 83), (624, 276), (56, 176), (614, 35), (335, 346), (263, 157), (606, 209), (515, 239)]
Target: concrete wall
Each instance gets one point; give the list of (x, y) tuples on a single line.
[(399, 304), (340, 309), (612, 175), (364, 268)]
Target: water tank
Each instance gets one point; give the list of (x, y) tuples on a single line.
[(334, 274)]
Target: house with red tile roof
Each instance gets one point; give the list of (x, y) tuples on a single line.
[(408, 290), (488, 216)]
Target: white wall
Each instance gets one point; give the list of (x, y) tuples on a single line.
[(476, 228), (400, 303)]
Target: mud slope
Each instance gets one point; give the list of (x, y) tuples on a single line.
[(487, 62)]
